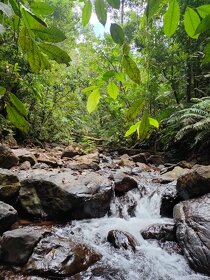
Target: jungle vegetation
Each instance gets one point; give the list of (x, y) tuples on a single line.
[(145, 77)]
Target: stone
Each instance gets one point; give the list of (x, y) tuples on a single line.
[(195, 183), (18, 244), (25, 155), (192, 218), (26, 165), (171, 247), (8, 216), (71, 152), (56, 256), (169, 199), (62, 195), (7, 158), (9, 186), (174, 174), (155, 159), (123, 183), (90, 161), (121, 239), (163, 232), (141, 158)]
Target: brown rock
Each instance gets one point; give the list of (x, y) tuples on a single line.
[(155, 159), (163, 232), (121, 239), (71, 152), (25, 155), (123, 183), (7, 158), (141, 158)]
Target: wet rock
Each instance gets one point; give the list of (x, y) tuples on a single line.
[(185, 164), (17, 245), (25, 155), (71, 152), (123, 183), (121, 239), (61, 195), (194, 184), (163, 232), (8, 216), (9, 186), (26, 165), (171, 247), (55, 256), (174, 174), (192, 220), (90, 161), (155, 159), (141, 158), (168, 200), (7, 158)]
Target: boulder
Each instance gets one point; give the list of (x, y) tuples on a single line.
[(25, 155), (121, 239), (155, 159), (62, 195), (26, 165), (56, 256), (123, 183), (9, 185), (141, 158), (168, 200), (192, 218), (7, 158), (90, 161), (171, 247), (163, 232), (71, 152), (195, 183), (17, 245), (174, 174), (8, 216)]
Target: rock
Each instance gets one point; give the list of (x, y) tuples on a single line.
[(26, 165), (168, 200), (123, 183), (185, 164), (171, 247), (71, 152), (155, 159), (17, 245), (163, 232), (8, 216), (121, 239), (9, 186), (7, 158), (174, 174), (56, 256), (195, 183), (25, 155), (61, 195), (90, 161), (192, 220), (141, 158)]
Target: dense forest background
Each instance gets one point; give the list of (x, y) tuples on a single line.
[(144, 81)]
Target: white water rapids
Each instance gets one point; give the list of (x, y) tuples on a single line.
[(149, 262)]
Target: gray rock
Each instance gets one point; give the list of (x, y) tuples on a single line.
[(25, 155), (89, 161), (123, 183), (9, 185), (163, 232), (192, 220), (121, 239), (7, 158), (8, 216), (71, 152), (174, 174), (17, 245), (56, 256), (61, 195)]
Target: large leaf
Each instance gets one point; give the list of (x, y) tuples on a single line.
[(203, 10), (49, 34), (109, 74), (117, 34), (86, 13), (113, 90), (132, 129), (171, 18), (2, 91), (6, 9), (101, 12), (19, 106), (88, 89), (131, 69), (204, 25), (30, 19), (93, 100), (55, 53), (42, 8), (135, 109), (15, 7), (144, 127), (152, 7), (191, 22), (153, 122), (16, 119), (207, 53), (114, 3)]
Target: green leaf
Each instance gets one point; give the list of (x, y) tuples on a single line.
[(2, 91), (86, 13), (93, 100), (171, 18), (153, 122), (131, 69), (143, 129), (101, 11), (191, 22), (49, 34), (126, 49), (114, 4), (203, 10), (109, 74), (42, 8), (113, 90), (135, 109), (55, 53), (16, 119), (15, 7), (207, 53), (120, 76), (132, 129), (152, 7), (88, 89), (117, 34), (203, 26), (30, 19), (19, 106)]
